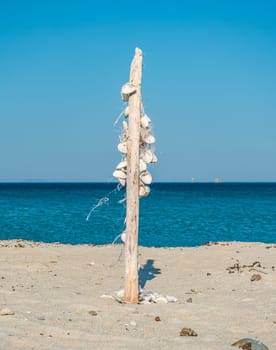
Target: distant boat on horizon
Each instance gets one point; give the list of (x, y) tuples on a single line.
[(218, 180)]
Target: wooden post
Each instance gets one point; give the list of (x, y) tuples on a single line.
[(133, 173)]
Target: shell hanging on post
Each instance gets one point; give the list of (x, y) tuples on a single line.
[(123, 236), (145, 121), (127, 90), (126, 112), (146, 177), (143, 165), (154, 158), (122, 147), (148, 156), (125, 127), (144, 190), (147, 136), (120, 175), (146, 153), (122, 165), (149, 139)]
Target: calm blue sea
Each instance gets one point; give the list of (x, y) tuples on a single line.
[(175, 214)]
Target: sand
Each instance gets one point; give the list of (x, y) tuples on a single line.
[(55, 292)]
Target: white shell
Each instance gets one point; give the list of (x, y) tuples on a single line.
[(119, 174), (154, 158), (146, 178), (126, 112), (146, 136), (145, 121), (123, 236), (171, 299), (149, 139), (122, 181), (122, 147), (121, 293), (143, 165), (125, 126), (144, 191), (122, 165), (161, 300), (147, 156), (127, 90)]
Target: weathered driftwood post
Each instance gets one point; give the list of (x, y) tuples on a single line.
[(133, 177), (136, 145)]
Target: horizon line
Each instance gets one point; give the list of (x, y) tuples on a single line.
[(114, 182)]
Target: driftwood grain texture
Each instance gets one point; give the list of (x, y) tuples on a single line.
[(132, 211)]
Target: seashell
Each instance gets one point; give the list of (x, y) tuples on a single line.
[(171, 299), (144, 191), (121, 293), (119, 174), (122, 165), (146, 178), (122, 181), (161, 300), (127, 90), (125, 126), (126, 112), (145, 121), (122, 147), (154, 158), (149, 139), (146, 136), (143, 165), (123, 236), (147, 156)]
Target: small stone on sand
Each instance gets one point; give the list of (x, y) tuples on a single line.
[(250, 344), (40, 318), (93, 313), (255, 277), (187, 332), (6, 312), (157, 318)]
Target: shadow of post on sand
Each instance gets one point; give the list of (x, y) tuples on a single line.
[(148, 272)]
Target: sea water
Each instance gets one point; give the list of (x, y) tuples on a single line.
[(174, 214)]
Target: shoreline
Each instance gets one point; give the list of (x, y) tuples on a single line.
[(16, 241), (56, 294)]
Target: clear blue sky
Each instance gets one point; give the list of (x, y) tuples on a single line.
[(209, 85)]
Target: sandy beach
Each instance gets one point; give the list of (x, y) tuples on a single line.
[(59, 297)]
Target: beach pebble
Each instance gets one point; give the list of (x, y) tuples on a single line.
[(157, 319), (250, 344), (187, 332), (40, 318), (93, 313), (6, 312), (255, 277), (189, 300)]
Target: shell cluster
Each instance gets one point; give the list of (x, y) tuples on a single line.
[(146, 149)]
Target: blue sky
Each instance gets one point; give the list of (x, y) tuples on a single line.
[(209, 85)]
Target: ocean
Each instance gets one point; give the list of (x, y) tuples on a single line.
[(174, 214)]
